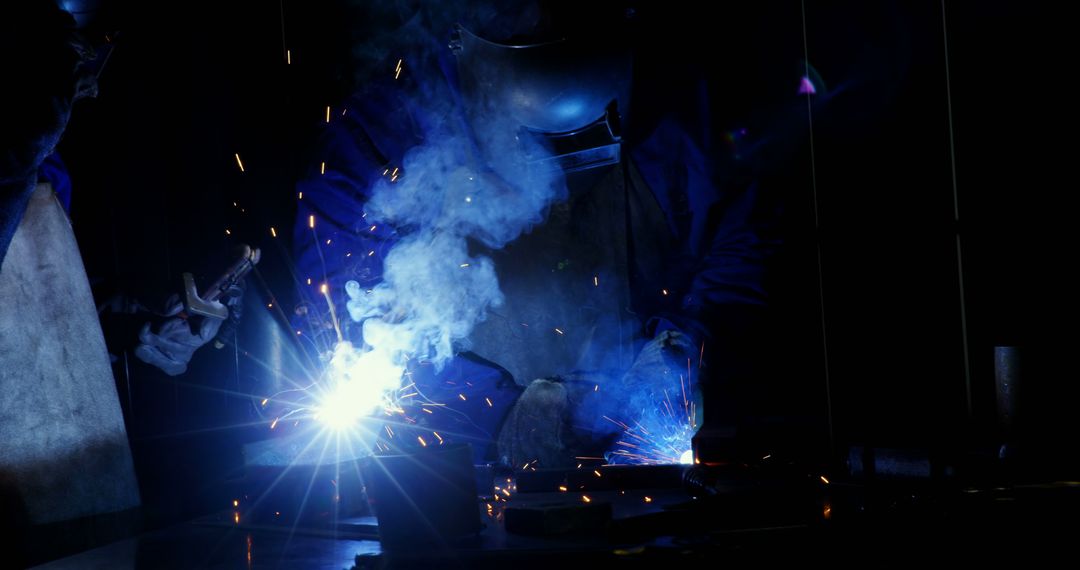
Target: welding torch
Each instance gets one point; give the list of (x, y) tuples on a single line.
[(208, 304)]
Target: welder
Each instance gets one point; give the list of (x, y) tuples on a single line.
[(654, 259), (52, 75)]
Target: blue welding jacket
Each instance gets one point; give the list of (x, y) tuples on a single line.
[(724, 232)]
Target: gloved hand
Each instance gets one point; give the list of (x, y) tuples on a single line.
[(657, 368), (556, 419), (172, 345), (533, 430), (661, 359)]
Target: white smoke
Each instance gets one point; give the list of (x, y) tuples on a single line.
[(433, 290), (464, 186)]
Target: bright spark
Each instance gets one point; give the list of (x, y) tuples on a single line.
[(359, 384)]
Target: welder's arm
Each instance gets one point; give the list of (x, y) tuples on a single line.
[(343, 245), (729, 288)]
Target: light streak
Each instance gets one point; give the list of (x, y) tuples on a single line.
[(240, 164)]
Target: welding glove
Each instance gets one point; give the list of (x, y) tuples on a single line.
[(662, 357), (534, 428), (657, 367), (556, 419), (172, 345)]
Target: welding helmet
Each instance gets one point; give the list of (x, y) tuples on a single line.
[(564, 95)]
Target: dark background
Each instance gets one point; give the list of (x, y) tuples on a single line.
[(192, 83)]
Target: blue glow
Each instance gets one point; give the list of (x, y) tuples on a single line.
[(359, 384)]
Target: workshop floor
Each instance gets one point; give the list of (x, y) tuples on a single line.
[(808, 519)]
